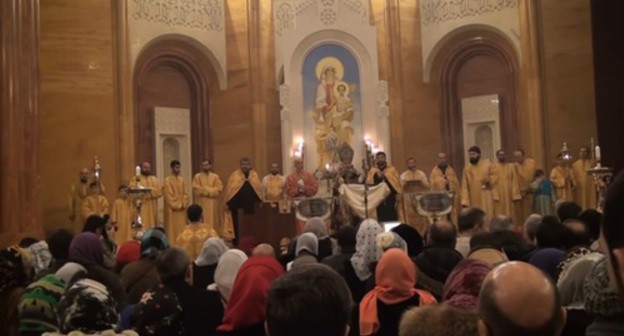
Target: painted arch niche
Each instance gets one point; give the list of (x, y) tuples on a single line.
[(332, 106)]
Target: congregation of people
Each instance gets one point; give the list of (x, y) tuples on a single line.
[(520, 254)]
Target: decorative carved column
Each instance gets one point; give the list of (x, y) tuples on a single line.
[(19, 89)]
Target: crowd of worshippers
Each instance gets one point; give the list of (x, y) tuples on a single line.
[(562, 275)]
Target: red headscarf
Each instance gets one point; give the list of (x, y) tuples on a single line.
[(247, 305), (395, 276)]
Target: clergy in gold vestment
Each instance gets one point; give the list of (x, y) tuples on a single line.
[(504, 185), (149, 209), (443, 178), (301, 183), (77, 194), (391, 208), (192, 238), (475, 185), (417, 180), (525, 174), (242, 191), (122, 216), (95, 204), (561, 178), (584, 182), (206, 189), (273, 184), (176, 201)]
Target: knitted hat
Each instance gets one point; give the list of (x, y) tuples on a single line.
[(38, 305), (87, 306)]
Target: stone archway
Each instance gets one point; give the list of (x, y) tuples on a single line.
[(471, 63)]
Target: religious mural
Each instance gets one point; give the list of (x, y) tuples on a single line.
[(333, 120)]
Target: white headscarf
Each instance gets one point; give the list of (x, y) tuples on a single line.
[(225, 274), (366, 248), (307, 242), (212, 250)]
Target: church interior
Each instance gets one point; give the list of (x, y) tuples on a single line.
[(150, 80), (312, 167)]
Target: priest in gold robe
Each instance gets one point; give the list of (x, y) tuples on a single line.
[(301, 183), (416, 181), (504, 183), (95, 204), (443, 178), (77, 194), (562, 180), (273, 184), (475, 186), (176, 201), (149, 208), (242, 191), (391, 208), (206, 189), (122, 215), (525, 174), (192, 238), (584, 182)]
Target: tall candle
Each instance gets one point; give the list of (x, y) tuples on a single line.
[(597, 151), (137, 171)]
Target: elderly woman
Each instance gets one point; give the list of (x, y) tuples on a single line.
[(139, 276), (307, 251), (382, 307), (205, 264)]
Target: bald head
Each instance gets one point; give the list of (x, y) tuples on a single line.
[(501, 223), (263, 250), (442, 234), (508, 291)]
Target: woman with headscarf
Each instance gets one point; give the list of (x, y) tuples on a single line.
[(388, 240), (206, 262), (225, 274), (394, 293), (86, 250), (316, 225), (572, 273), (412, 238), (141, 275), (602, 301), (245, 313), (98, 225), (159, 313), (306, 252), (87, 306), (462, 287)]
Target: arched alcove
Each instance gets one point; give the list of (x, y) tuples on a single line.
[(173, 71), (476, 62)]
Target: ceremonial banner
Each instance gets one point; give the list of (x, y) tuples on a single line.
[(353, 195)]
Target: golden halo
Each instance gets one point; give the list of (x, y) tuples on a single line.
[(330, 62)]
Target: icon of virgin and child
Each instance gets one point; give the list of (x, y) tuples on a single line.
[(333, 114)]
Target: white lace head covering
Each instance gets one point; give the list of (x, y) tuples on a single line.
[(212, 250), (366, 248)]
